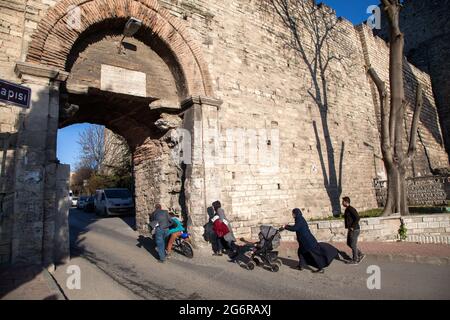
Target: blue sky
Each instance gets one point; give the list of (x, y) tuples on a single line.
[(353, 10), (68, 148)]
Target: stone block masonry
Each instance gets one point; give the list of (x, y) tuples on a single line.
[(420, 229), (228, 51)]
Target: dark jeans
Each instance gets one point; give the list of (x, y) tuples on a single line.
[(352, 242), (220, 243), (216, 242), (160, 238), (230, 244)]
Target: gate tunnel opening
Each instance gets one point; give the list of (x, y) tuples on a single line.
[(134, 88), (81, 74)]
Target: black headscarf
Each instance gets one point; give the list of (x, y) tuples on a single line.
[(216, 205), (297, 212), (315, 254)]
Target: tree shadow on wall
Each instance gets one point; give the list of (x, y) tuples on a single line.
[(311, 33)]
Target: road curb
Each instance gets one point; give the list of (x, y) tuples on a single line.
[(441, 261), (53, 285)]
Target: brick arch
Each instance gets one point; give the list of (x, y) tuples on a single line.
[(53, 39)]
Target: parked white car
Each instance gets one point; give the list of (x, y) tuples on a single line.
[(110, 202), (74, 201)]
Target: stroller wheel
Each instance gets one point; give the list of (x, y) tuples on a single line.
[(275, 268), (278, 262), (256, 261), (251, 265)]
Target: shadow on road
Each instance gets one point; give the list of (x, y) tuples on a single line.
[(13, 277), (79, 222), (130, 221), (149, 245), (293, 264)]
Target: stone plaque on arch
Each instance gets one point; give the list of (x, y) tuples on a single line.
[(120, 80)]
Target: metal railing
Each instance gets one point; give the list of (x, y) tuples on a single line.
[(422, 191)]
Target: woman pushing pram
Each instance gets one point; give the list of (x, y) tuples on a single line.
[(310, 252), (315, 254)]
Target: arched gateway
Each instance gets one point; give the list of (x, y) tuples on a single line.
[(81, 69)]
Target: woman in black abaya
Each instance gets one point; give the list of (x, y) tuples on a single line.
[(318, 255)]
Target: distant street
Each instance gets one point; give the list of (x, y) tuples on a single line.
[(116, 263)]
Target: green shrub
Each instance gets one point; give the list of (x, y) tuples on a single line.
[(402, 232), (371, 213)]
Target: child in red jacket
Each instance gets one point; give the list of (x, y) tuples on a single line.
[(222, 232)]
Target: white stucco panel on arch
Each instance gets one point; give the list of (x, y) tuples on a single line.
[(120, 80)]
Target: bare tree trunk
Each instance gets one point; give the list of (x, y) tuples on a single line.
[(397, 104), (389, 206), (404, 209), (395, 160)]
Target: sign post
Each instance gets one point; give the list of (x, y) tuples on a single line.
[(15, 94)]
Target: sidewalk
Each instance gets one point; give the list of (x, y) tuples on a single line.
[(392, 251), (28, 283)]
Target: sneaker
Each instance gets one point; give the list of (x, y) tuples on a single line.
[(161, 261), (299, 268), (353, 262), (361, 257), (217, 254)]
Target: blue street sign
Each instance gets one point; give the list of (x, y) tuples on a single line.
[(15, 94)]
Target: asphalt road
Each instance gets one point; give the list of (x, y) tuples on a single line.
[(116, 263)]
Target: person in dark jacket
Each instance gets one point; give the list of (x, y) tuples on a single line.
[(352, 218), (318, 255), (163, 221), (223, 238)]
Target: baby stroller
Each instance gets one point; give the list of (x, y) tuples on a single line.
[(262, 254)]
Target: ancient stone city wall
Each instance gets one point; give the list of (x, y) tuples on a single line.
[(278, 98), (263, 86)]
